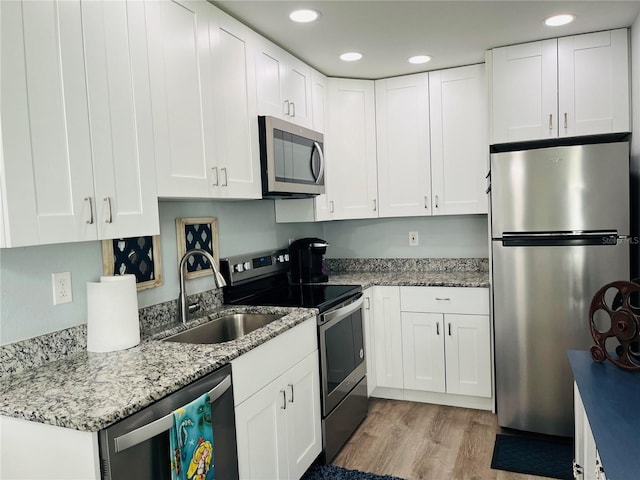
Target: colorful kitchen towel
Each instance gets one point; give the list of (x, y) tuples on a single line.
[(191, 440)]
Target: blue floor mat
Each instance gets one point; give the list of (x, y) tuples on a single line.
[(533, 456)]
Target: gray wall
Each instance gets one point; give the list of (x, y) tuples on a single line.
[(448, 236), (26, 306), (635, 147)]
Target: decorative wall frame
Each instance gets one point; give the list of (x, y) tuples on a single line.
[(139, 256), (194, 233)]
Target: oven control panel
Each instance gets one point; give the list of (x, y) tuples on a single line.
[(251, 266)]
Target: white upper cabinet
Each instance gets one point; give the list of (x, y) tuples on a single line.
[(524, 91), (459, 140), (402, 128), (120, 118), (204, 102), (350, 149), (571, 86), (75, 109), (182, 98), (593, 80), (284, 85), (235, 108)]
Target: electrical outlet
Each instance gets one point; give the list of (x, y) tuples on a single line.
[(413, 239), (61, 287)]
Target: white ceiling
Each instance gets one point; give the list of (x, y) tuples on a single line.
[(387, 32)]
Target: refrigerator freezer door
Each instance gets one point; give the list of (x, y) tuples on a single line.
[(541, 304), (574, 188)]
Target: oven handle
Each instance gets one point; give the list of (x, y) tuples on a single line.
[(333, 316), (150, 430)]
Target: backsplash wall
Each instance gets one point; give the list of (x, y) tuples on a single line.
[(459, 236), (26, 304)]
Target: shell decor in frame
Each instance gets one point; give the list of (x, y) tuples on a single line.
[(195, 233), (139, 256)]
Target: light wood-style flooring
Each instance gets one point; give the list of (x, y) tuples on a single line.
[(419, 441)]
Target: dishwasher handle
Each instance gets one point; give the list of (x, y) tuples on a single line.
[(150, 430)]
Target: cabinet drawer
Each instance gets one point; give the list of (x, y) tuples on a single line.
[(445, 300), (255, 369)]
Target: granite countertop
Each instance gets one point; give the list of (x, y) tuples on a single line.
[(610, 397), (90, 391), (412, 278)]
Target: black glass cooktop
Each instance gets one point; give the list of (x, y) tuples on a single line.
[(322, 297)]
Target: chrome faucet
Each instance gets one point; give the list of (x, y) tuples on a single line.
[(182, 297)]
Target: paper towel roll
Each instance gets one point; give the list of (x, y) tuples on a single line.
[(112, 314)]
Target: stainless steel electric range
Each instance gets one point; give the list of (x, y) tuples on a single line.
[(261, 278)]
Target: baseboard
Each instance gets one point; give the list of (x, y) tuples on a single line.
[(478, 403)]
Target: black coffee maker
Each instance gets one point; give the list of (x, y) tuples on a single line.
[(306, 260)]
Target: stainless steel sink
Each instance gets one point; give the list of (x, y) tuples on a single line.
[(224, 329)]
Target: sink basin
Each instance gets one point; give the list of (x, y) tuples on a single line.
[(224, 329)]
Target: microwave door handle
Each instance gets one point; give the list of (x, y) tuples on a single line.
[(318, 148), (150, 430)]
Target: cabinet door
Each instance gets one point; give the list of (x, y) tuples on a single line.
[(319, 92), (402, 124), (350, 149), (593, 79), (182, 97), (303, 415), (298, 92), (524, 91), (468, 355), (47, 175), (271, 71), (423, 351), (369, 345), (237, 169), (387, 337), (262, 433), (459, 140), (120, 119)]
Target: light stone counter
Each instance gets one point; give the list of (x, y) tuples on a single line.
[(90, 391)]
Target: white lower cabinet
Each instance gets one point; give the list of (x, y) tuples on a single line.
[(278, 423), (432, 344), (586, 462)]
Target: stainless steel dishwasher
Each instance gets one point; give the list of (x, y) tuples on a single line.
[(138, 446)]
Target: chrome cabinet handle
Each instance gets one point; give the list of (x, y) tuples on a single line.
[(294, 109), (215, 170), (284, 400), (437, 328), (110, 217), (443, 299), (426, 202), (551, 121), (368, 307), (449, 328), (331, 209), (88, 199), (565, 120), (288, 108), (226, 178), (291, 387), (437, 201), (375, 205)]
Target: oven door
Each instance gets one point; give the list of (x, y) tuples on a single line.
[(342, 359)]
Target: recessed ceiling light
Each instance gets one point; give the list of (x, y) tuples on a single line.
[(350, 56), (418, 59), (304, 15), (559, 20)]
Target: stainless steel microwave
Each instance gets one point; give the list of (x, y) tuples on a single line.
[(292, 159)]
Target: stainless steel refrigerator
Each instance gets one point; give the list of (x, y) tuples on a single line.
[(559, 228)]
